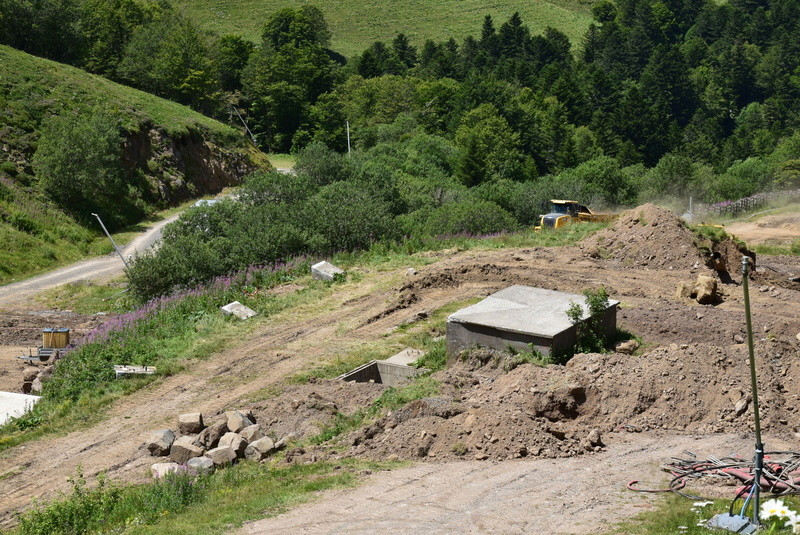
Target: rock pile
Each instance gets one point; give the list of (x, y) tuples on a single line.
[(201, 449)]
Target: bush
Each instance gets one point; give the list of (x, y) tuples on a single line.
[(591, 336), (469, 216)]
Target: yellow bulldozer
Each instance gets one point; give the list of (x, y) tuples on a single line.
[(563, 213)]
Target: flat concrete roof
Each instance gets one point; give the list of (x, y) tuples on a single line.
[(13, 405), (524, 310)]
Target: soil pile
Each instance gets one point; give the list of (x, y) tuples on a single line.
[(646, 236)]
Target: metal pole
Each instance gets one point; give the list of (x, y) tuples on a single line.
[(759, 458), (347, 124), (112, 240)]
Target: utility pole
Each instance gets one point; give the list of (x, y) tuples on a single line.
[(112, 240), (347, 125)]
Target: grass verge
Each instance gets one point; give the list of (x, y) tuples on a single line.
[(182, 504)]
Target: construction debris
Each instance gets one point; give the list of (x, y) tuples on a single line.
[(124, 371), (325, 271), (239, 310)]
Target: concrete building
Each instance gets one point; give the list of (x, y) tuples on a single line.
[(523, 318)]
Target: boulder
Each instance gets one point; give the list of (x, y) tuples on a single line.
[(209, 437), (234, 441), (252, 433), (237, 420), (325, 271), (705, 290), (627, 347), (221, 456), (684, 290), (160, 470), (36, 386), (184, 449), (259, 449), (29, 374), (190, 423), (201, 465), (160, 442), (239, 310)]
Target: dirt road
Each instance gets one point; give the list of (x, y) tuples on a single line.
[(105, 267), (578, 495)]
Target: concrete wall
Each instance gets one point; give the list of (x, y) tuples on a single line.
[(461, 336), (382, 372)]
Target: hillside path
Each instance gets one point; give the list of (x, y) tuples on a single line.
[(104, 267)]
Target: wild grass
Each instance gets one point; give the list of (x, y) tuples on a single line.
[(792, 248), (183, 504), (357, 25)]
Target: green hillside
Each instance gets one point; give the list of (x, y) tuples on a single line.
[(355, 25), (35, 234)]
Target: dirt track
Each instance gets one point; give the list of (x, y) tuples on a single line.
[(370, 309)]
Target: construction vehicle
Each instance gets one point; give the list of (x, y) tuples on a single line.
[(564, 213)]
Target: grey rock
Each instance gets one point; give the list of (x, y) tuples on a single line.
[(252, 433), (239, 310), (595, 438), (627, 347), (184, 449), (741, 406), (190, 423), (705, 289), (160, 442), (234, 441), (201, 465), (221, 456), (161, 470), (209, 437), (29, 374), (259, 449), (237, 420), (36, 386)]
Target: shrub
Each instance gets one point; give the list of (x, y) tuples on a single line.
[(591, 336), (469, 216)]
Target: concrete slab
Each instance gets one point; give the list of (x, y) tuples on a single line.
[(325, 271), (406, 356), (524, 310), (239, 310), (13, 405)]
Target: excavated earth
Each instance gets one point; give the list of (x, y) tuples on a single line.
[(690, 379)]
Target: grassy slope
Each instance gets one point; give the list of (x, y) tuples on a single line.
[(355, 25), (34, 234)]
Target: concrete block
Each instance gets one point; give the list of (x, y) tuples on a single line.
[(209, 437), (190, 423), (160, 442), (252, 433), (325, 271), (406, 356), (239, 310), (13, 405)]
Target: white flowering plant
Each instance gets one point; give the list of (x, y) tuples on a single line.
[(774, 514)]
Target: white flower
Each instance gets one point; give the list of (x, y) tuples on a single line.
[(773, 508), (794, 523)]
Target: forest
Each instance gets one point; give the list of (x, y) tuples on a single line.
[(662, 99)]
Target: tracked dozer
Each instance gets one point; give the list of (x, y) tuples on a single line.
[(563, 213)]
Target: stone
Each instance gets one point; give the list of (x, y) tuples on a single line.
[(29, 374), (252, 433), (237, 420), (161, 470), (36, 386), (705, 290), (684, 290), (798, 337), (239, 310), (234, 441), (411, 272), (627, 347), (221, 456), (741, 406), (738, 338), (325, 271), (190, 423), (280, 444), (160, 442), (259, 449), (595, 438), (184, 449), (209, 437), (201, 465)]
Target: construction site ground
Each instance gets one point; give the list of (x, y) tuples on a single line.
[(498, 450)]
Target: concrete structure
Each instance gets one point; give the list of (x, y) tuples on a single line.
[(325, 271), (523, 318), (382, 372), (406, 356), (239, 310), (13, 405), (121, 370)]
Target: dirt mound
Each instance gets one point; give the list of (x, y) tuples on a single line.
[(561, 411), (646, 236)]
